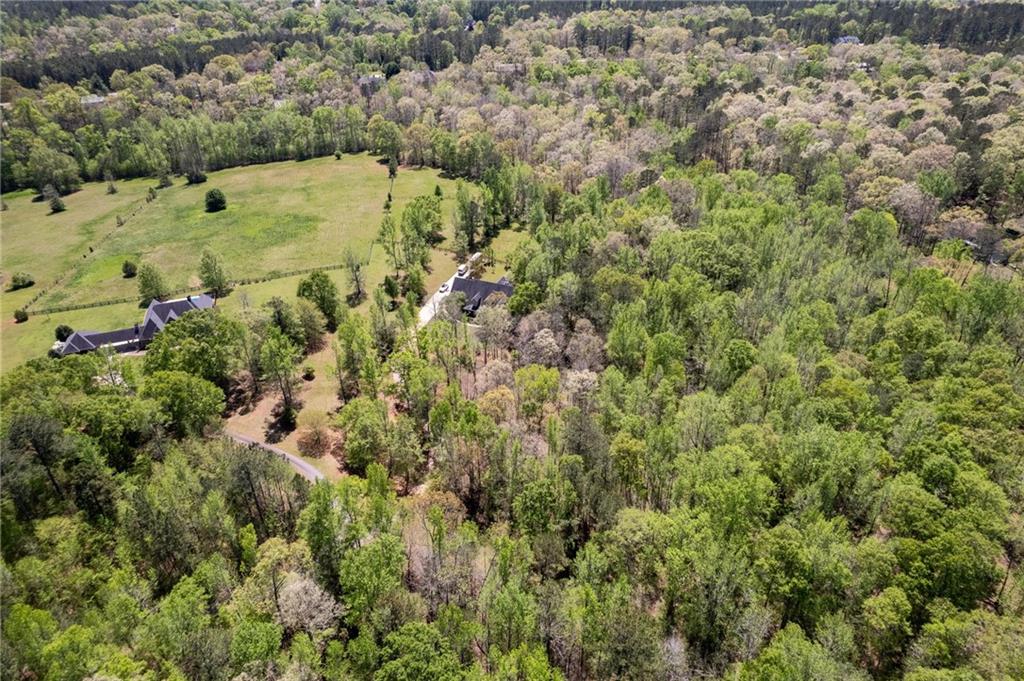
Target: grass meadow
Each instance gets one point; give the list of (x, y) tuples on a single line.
[(280, 217)]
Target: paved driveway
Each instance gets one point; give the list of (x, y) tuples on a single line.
[(428, 311), (301, 467)]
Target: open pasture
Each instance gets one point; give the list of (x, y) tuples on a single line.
[(280, 217)]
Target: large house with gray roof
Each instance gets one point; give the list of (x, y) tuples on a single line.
[(158, 315), (477, 291)]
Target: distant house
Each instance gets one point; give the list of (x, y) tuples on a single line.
[(510, 67), (477, 291), (158, 315), (92, 100)]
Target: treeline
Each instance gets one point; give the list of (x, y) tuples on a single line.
[(439, 39), (191, 145), (442, 40), (178, 55), (976, 27)]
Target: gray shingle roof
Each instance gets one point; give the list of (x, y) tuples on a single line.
[(477, 291), (158, 314)]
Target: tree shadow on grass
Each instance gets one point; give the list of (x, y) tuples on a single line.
[(242, 395), (281, 423)]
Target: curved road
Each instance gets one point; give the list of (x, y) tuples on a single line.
[(301, 467)]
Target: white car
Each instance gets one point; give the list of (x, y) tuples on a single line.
[(444, 288), (462, 270)]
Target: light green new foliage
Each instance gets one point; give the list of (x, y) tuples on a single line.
[(212, 274), (190, 402), (28, 629), (181, 613), (254, 641), (791, 656), (371, 572), (278, 357), (887, 620), (151, 283)]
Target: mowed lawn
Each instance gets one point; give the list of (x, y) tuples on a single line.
[(280, 217)]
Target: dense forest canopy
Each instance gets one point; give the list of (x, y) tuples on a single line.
[(755, 409)]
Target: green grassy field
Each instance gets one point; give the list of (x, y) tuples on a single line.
[(48, 246), (280, 217)]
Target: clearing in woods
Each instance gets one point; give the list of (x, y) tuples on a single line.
[(280, 217)]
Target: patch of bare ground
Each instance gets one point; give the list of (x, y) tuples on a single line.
[(259, 418)]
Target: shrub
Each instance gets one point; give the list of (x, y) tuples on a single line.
[(129, 269), (51, 195), (413, 286), (215, 201), (308, 372), (63, 332), (337, 156), (21, 280), (315, 437), (20, 315), (195, 177), (391, 287), (165, 181)]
